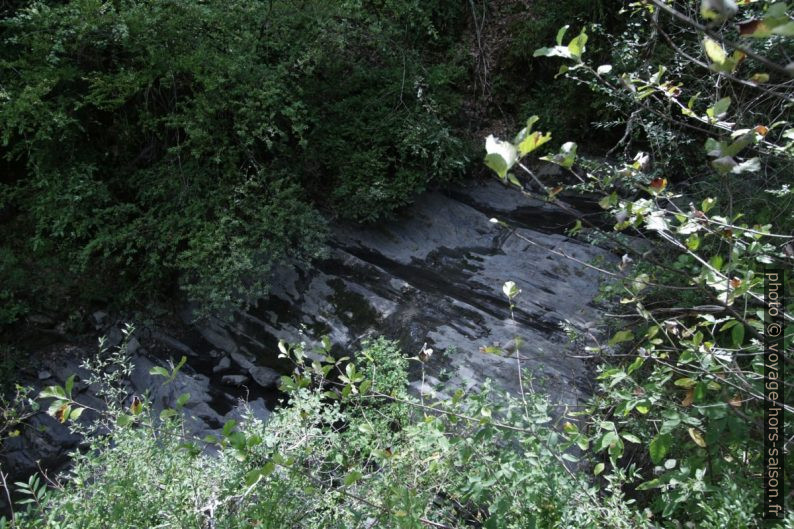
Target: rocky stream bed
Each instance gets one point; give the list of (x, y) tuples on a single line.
[(432, 276)]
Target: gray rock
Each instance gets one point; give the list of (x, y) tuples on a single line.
[(264, 376), (133, 346), (234, 380), (241, 360), (99, 319), (44, 374), (114, 337), (173, 343), (435, 276), (256, 409), (41, 319), (223, 365), (218, 336)]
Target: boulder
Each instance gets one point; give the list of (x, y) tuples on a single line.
[(234, 380), (264, 376), (223, 365)]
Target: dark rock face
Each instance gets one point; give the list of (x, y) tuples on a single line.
[(435, 276)]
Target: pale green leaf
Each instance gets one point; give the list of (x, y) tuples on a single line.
[(659, 447)]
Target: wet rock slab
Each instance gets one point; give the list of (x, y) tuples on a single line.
[(434, 275)]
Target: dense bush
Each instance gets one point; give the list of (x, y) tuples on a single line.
[(350, 449), (678, 418), (149, 142)]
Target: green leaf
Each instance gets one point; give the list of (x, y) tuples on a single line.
[(561, 33), (652, 484), (740, 144), (608, 440), (720, 108), (54, 392), (269, 468), (714, 50), (760, 78), (237, 440), (181, 363), (577, 45), (737, 335), (364, 387), (229, 427), (182, 400), (685, 382), (621, 336), (566, 157), (352, 478), (501, 155), (631, 438), (167, 414), (598, 469), (510, 289), (659, 447), (752, 165), (724, 165), (564, 68), (366, 428), (556, 51), (159, 371), (532, 142), (718, 10), (252, 477), (636, 364), (76, 413), (69, 385)]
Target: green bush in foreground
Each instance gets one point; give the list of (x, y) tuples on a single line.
[(349, 449)]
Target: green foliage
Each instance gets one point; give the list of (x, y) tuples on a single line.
[(678, 417), (171, 141), (372, 453)]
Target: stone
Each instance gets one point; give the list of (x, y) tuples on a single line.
[(133, 346), (256, 409), (234, 380), (44, 374), (223, 365), (99, 319), (241, 360), (114, 337), (218, 336), (173, 343), (264, 376), (431, 277), (41, 319), (434, 275)]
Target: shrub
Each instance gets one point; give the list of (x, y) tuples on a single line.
[(350, 448), (156, 143), (678, 417)]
